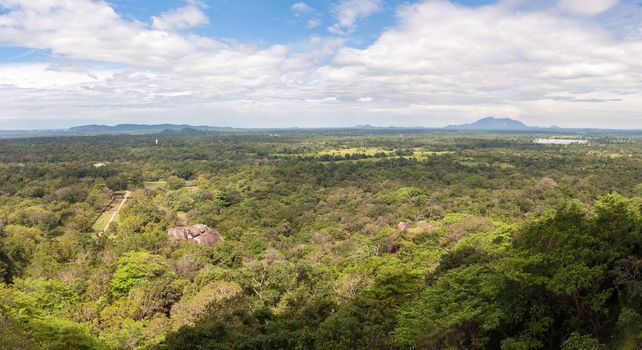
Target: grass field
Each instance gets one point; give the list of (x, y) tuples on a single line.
[(103, 220), (369, 151), (100, 224), (375, 153)]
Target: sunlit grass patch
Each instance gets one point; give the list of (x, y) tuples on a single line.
[(368, 151), (102, 221)]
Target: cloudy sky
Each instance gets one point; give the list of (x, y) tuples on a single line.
[(317, 63)]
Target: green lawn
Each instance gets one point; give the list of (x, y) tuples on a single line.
[(100, 224)]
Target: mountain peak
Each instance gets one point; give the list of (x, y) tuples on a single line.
[(492, 123)]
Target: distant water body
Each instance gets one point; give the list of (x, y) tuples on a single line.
[(559, 141)]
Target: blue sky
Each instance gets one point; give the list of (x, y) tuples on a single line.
[(261, 22), (278, 63), (271, 21)]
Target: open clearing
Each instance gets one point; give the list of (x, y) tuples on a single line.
[(563, 142), (372, 154), (110, 215)]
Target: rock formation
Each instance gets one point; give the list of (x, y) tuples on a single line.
[(198, 233), (403, 226)]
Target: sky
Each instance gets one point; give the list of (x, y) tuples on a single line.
[(320, 63)]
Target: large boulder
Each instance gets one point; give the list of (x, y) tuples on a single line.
[(198, 233), (403, 226)]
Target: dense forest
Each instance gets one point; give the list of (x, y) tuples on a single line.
[(328, 240)]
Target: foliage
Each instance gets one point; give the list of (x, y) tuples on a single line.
[(508, 245), (136, 268)]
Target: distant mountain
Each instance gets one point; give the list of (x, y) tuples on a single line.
[(492, 124), (364, 126), (486, 124), (189, 131), (94, 128)]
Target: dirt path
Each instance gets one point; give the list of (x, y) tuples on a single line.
[(120, 206)]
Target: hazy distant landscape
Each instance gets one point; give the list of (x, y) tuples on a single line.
[(492, 124)]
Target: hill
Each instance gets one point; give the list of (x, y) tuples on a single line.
[(188, 131), (492, 123), (128, 128)]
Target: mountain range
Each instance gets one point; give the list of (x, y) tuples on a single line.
[(490, 124), (95, 128), (486, 124)]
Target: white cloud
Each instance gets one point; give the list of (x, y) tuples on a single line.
[(186, 17), (66, 29), (46, 76), (440, 63), (313, 17), (151, 68), (474, 58), (587, 7), (301, 7), (347, 12), (313, 23)]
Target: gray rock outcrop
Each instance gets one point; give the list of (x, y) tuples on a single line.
[(403, 226), (198, 233)]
